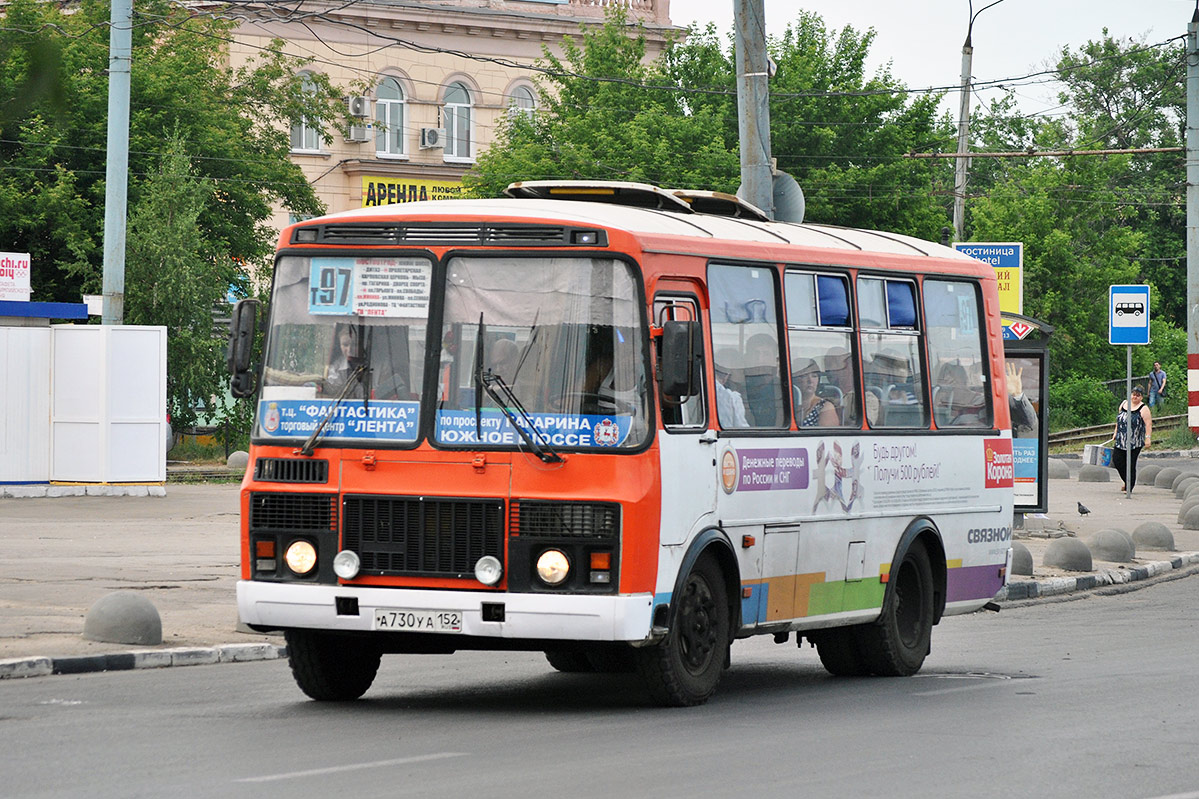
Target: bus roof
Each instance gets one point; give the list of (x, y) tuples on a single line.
[(647, 223)]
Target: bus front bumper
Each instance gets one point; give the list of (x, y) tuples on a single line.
[(566, 617)]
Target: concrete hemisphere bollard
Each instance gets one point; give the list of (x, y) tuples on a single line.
[(238, 460), (1058, 469), (1191, 490), (123, 617), (1094, 474), (1182, 478), (1155, 536), (1165, 478), (1147, 473), (1191, 521), (1112, 545), (1183, 482), (1069, 554), (1187, 506), (1021, 560)]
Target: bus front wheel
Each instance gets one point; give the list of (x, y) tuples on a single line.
[(684, 668), (896, 644), (331, 668)]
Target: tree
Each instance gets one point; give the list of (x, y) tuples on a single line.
[(597, 120), (176, 276), (53, 143), (605, 114), (208, 162)]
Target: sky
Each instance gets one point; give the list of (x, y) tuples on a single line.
[(923, 38)]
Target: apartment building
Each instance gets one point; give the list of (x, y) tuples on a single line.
[(433, 80)]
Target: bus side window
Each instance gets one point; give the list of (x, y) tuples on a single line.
[(952, 310), (681, 412), (745, 340), (891, 365), (820, 335)]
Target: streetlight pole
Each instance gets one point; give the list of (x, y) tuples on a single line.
[(963, 161)]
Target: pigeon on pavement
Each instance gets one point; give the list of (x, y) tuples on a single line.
[(1083, 510)]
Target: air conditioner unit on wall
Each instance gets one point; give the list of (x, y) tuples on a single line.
[(358, 106), (359, 133), (432, 137)]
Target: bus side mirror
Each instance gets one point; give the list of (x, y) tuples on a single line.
[(241, 346), (682, 358)]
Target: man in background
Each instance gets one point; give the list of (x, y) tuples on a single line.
[(1157, 384)]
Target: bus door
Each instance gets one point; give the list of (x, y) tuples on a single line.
[(687, 448)]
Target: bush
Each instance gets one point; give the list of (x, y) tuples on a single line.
[(1080, 402)]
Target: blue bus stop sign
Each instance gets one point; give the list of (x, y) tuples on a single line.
[(1128, 315)]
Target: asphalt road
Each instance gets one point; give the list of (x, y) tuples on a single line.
[(1093, 696)]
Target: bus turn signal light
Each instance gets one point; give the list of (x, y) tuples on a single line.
[(601, 567)]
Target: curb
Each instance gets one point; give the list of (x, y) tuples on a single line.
[(1034, 589), (140, 659)]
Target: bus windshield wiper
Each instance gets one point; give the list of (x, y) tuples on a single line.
[(359, 374), (506, 400)]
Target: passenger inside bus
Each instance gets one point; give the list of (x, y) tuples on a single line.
[(502, 361), (811, 409), (730, 405), (955, 401), (838, 375), (343, 363), (762, 381)]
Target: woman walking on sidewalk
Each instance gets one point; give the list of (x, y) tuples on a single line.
[(1131, 441)]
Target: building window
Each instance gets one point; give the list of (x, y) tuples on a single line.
[(389, 119), (458, 119), (522, 101), (305, 137)]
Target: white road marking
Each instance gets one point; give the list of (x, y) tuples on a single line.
[(400, 761)]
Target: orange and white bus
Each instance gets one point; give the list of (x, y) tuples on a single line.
[(621, 425)]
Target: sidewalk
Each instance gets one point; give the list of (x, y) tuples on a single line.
[(61, 554)]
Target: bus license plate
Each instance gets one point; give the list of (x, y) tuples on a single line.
[(418, 621)]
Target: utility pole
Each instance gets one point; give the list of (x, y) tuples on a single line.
[(1192, 160), (120, 54), (959, 176), (753, 104), (963, 162)]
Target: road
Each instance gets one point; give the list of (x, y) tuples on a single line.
[(1093, 696)]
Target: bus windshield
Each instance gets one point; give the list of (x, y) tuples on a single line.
[(345, 352), (563, 338)]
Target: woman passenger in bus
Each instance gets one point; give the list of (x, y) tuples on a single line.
[(811, 410)]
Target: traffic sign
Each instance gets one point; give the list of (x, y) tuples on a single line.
[(1128, 315)]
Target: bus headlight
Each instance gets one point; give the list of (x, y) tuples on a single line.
[(489, 570), (300, 557), (553, 567), (346, 564)]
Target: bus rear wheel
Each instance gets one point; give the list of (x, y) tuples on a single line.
[(683, 669), (330, 667), (896, 644), (839, 652)]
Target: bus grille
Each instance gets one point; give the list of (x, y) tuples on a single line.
[(425, 536), (293, 511), (290, 470), (541, 519)]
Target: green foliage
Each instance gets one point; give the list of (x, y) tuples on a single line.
[(1079, 401), (208, 162), (53, 132), (607, 115)]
